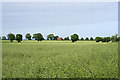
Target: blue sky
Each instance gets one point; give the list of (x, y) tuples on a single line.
[(60, 18)]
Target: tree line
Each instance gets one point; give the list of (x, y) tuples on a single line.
[(74, 37)]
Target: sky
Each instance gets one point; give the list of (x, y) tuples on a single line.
[(87, 19)]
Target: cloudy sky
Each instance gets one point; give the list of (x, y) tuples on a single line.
[(61, 18)]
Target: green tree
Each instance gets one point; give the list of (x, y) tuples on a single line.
[(114, 38), (38, 36), (28, 36), (107, 39), (74, 37), (34, 36), (19, 37), (91, 39), (50, 37), (11, 37), (98, 39), (104, 39), (87, 39), (118, 38), (82, 39), (66, 38), (3, 38), (55, 37)]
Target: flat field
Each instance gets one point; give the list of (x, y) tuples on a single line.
[(59, 59)]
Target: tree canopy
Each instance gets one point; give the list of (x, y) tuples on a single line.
[(11, 37), (3, 38), (87, 39), (38, 37), (50, 37), (19, 37), (28, 36), (66, 38), (91, 39), (74, 37)]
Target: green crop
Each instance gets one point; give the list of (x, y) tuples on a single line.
[(59, 59)]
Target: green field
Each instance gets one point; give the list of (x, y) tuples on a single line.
[(59, 59)]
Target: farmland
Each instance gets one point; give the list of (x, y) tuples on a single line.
[(59, 59)]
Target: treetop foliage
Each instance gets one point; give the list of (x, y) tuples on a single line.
[(74, 37)]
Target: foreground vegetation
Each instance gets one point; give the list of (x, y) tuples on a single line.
[(59, 59)]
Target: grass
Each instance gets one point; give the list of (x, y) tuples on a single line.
[(59, 59)]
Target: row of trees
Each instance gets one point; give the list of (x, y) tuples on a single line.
[(19, 37), (74, 37), (107, 39)]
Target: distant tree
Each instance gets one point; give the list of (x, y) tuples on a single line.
[(34, 36), (87, 39), (74, 37), (55, 37), (38, 37), (91, 39), (114, 38), (107, 39), (104, 39), (11, 37), (66, 38), (98, 39), (82, 39), (19, 37), (0, 37), (28, 36), (118, 38), (3, 38), (50, 37)]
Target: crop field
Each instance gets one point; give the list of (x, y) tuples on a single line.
[(59, 59)]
